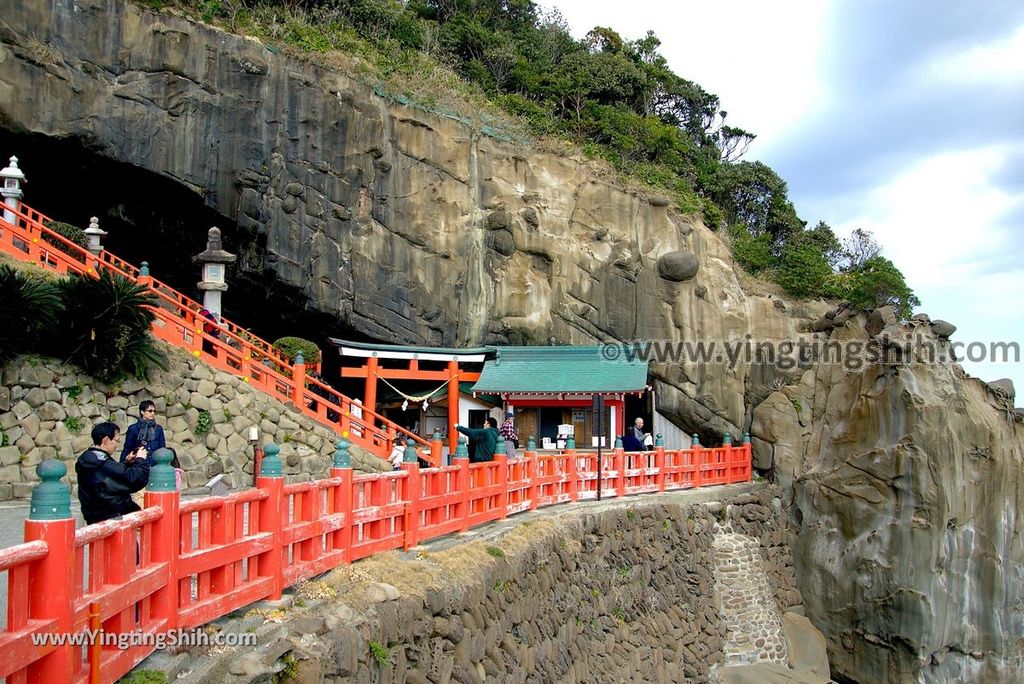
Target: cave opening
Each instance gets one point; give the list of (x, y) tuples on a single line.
[(155, 219)]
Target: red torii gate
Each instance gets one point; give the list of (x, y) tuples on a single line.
[(371, 370)]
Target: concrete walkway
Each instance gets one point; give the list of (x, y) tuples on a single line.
[(499, 528), (14, 513)]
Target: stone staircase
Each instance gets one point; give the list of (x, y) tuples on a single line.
[(754, 625)]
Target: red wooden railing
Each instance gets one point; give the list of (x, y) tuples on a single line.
[(233, 349), (177, 565)]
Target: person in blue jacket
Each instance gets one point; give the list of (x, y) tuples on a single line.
[(144, 433)]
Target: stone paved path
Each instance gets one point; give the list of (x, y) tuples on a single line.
[(748, 603)]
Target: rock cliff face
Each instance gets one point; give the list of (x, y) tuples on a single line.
[(906, 490), (903, 479), (404, 225)]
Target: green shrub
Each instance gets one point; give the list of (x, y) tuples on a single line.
[(29, 312), (143, 677), (74, 425), (877, 282), (495, 551), (203, 424), (803, 270), (754, 254), (69, 231), (380, 653), (76, 390), (106, 327), (290, 671), (291, 346)]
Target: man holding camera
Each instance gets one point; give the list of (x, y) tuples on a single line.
[(144, 433), (105, 486)]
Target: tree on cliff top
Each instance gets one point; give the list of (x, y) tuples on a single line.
[(616, 98)]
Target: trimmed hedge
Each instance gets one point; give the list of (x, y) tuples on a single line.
[(291, 346)]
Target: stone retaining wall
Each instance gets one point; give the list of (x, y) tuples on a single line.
[(623, 593), (48, 409)]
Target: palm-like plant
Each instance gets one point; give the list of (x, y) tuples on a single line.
[(106, 329), (29, 310)]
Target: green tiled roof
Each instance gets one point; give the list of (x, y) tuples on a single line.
[(467, 388), (528, 370)]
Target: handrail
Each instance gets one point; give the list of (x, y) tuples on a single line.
[(179, 564), (179, 323)]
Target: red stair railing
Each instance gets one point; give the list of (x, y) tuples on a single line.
[(233, 349)]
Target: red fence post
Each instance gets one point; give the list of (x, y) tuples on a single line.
[(436, 448), (51, 578), (299, 380), (411, 466), (573, 475), (530, 455), (164, 543), (620, 468), (748, 458), (342, 469), (502, 460), (197, 334), (728, 454), (271, 514), (698, 460), (462, 481), (659, 462)]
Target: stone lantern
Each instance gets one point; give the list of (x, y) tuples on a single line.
[(214, 261), (12, 178), (93, 235)]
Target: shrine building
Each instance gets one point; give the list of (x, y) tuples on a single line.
[(550, 390)]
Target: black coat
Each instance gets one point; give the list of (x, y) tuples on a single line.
[(105, 486)]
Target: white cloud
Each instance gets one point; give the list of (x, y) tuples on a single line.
[(918, 99), (1002, 61), (942, 222), (942, 211), (758, 57)]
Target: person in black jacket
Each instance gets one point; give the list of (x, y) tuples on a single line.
[(145, 432), (105, 485)]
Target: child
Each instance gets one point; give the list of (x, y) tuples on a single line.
[(397, 453), (179, 474)]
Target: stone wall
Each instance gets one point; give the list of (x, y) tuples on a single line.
[(48, 409), (622, 592)]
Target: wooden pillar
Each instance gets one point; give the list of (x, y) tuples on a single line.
[(370, 394), (453, 404)]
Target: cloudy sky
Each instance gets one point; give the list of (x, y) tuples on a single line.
[(904, 118)]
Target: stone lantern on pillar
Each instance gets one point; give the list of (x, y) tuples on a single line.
[(93, 235), (12, 178), (214, 261)]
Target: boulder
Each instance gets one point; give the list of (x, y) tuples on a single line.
[(1003, 388), (766, 673), (678, 266), (880, 318), (379, 592), (822, 324), (943, 328), (807, 647)]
